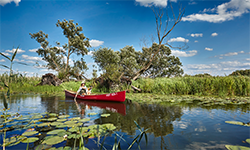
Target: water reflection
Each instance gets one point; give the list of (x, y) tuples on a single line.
[(172, 126)]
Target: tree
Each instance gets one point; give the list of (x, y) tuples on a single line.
[(58, 58), (241, 73), (161, 34), (128, 61), (163, 65)]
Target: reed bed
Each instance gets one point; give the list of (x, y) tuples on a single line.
[(221, 86)]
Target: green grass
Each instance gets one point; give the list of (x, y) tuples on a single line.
[(220, 86)]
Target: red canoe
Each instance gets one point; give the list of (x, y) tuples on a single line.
[(113, 97)]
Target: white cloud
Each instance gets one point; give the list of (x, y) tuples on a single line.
[(217, 69), (33, 50), (192, 3), (90, 53), (224, 12), (229, 54), (248, 59), (3, 2), (196, 35), (148, 3), (32, 58), (13, 50), (214, 34), (6, 54), (95, 43), (2, 60), (179, 53), (195, 41), (208, 49), (178, 39)]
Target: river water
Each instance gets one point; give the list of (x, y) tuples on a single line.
[(169, 126)]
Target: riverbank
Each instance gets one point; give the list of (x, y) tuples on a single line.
[(229, 89)]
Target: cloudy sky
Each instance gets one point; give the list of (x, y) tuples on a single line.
[(215, 31)]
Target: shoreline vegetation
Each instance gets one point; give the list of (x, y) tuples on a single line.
[(235, 88)]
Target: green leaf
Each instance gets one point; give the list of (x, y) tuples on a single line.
[(64, 116), (235, 122), (14, 55), (52, 114), (4, 56), (61, 120), (91, 114), (84, 120), (248, 141), (52, 119), (5, 66), (30, 140), (56, 131), (235, 147), (105, 115), (53, 140), (29, 133)]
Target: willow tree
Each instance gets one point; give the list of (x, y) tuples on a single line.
[(128, 61), (58, 57), (162, 31)]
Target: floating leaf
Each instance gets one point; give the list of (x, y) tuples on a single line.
[(235, 147), (42, 147), (56, 123), (61, 120), (53, 140), (30, 140), (76, 118), (52, 119), (248, 141), (75, 136), (43, 124), (84, 120), (105, 115), (56, 131), (91, 114), (64, 116), (109, 126), (235, 122), (70, 122), (29, 133), (61, 126), (52, 114)]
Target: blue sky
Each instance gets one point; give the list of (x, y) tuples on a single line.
[(216, 32)]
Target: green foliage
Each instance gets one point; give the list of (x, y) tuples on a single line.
[(241, 73), (221, 86), (55, 56), (127, 62)]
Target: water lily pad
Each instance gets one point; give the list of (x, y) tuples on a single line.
[(74, 136), (43, 124), (30, 140), (61, 126), (91, 114), (64, 116), (42, 147), (29, 133), (53, 140), (14, 140), (248, 141), (56, 131), (235, 122), (70, 122), (56, 123), (84, 120), (61, 120), (52, 119), (76, 118), (52, 114), (235, 147), (109, 126), (105, 115)]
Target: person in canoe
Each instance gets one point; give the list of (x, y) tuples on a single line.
[(82, 89)]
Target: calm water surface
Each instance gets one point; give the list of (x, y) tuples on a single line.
[(182, 126)]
